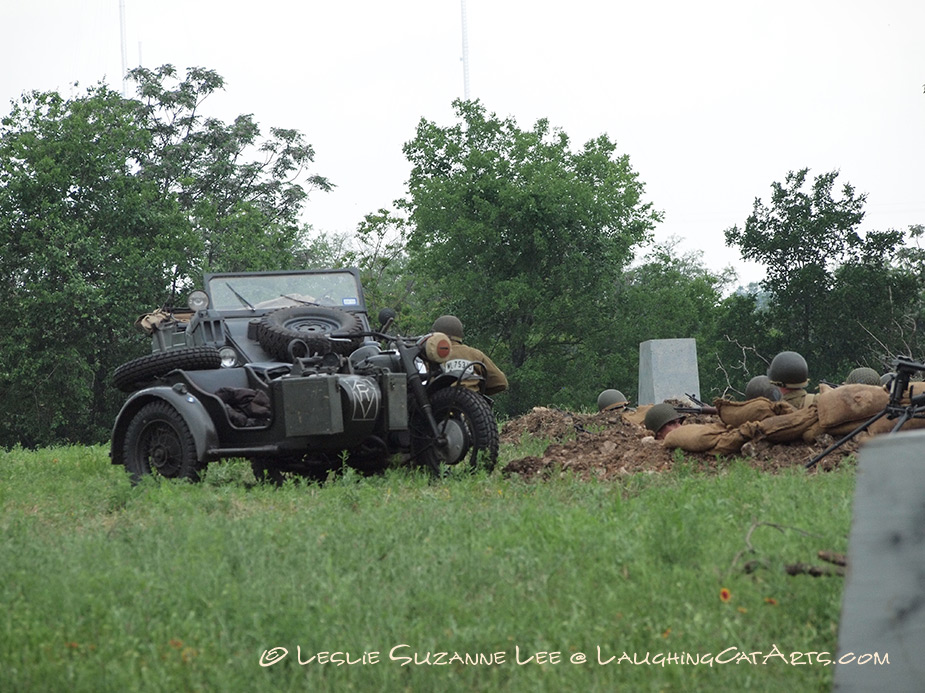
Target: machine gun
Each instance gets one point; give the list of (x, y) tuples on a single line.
[(904, 368)]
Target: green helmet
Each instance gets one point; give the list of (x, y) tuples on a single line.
[(863, 376), (659, 415), (449, 325), (761, 386), (611, 399), (789, 369)]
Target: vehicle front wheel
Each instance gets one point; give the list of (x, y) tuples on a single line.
[(468, 431), (158, 441)]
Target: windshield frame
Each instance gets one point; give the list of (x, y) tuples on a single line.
[(332, 288)]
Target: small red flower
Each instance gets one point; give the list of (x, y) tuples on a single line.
[(770, 600), (725, 595)]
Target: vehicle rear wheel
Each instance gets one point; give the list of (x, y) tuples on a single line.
[(158, 441), (140, 372), (467, 425), (311, 326)]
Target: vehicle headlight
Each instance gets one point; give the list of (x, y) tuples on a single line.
[(198, 300), (437, 347), (229, 357)]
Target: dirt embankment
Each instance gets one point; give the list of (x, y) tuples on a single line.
[(606, 445)]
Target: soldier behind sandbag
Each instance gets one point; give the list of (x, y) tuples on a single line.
[(761, 386), (863, 376), (451, 326), (612, 400), (661, 419), (789, 372)]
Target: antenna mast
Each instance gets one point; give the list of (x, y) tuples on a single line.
[(122, 37), (465, 52)]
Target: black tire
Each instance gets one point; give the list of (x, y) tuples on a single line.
[(158, 441), (467, 419), (140, 372), (311, 325)]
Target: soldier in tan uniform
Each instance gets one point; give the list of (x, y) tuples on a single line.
[(451, 326), (789, 372), (611, 400), (661, 419)]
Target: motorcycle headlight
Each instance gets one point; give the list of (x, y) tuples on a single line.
[(198, 300), (229, 357), (437, 347)]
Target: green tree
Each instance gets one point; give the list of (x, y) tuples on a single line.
[(801, 238), (110, 207), (85, 250), (665, 296), (244, 210), (837, 296), (522, 238)]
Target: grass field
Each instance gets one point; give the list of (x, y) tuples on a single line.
[(401, 582)]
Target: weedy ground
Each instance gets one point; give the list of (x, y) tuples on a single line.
[(649, 581)]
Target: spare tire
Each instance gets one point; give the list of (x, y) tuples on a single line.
[(138, 373), (311, 325)]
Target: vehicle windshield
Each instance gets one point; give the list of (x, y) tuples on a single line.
[(259, 292)]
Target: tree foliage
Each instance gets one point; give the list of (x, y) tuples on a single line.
[(522, 238), (110, 207), (839, 297)]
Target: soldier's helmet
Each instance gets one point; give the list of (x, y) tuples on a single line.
[(887, 379), (761, 386), (863, 376), (789, 369), (611, 399), (659, 415), (449, 325)]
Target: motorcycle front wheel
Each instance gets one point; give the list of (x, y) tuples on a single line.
[(467, 427)]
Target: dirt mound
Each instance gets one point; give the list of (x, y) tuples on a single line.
[(605, 446)]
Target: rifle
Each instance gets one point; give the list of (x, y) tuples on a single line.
[(699, 408), (905, 368)]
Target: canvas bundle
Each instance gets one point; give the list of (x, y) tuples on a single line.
[(737, 413), (850, 403), (716, 438), (789, 427)]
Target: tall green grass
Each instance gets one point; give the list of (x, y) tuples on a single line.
[(181, 587)]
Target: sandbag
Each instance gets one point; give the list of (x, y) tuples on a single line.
[(856, 402), (695, 437), (716, 438), (637, 417), (737, 413), (788, 427)]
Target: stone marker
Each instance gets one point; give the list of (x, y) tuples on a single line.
[(883, 604), (667, 369)]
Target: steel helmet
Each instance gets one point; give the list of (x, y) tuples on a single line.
[(449, 325), (611, 399), (761, 386), (659, 415), (887, 379), (863, 376), (789, 369)]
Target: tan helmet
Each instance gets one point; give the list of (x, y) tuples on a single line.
[(611, 399), (449, 325), (788, 369), (761, 386), (659, 415), (863, 376)]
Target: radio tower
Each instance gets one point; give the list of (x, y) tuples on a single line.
[(122, 37), (465, 52)]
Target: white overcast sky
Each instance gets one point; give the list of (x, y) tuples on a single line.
[(712, 100)]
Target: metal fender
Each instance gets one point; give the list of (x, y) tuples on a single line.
[(187, 405)]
